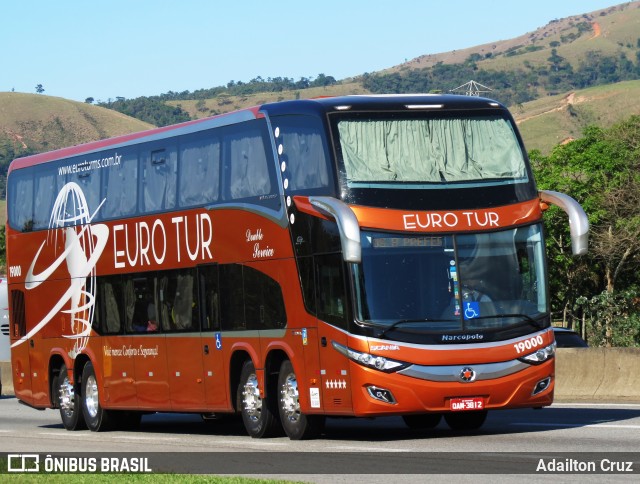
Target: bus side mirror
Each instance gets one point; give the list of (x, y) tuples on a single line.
[(578, 221), (347, 225)]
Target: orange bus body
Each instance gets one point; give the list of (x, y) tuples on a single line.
[(204, 303)]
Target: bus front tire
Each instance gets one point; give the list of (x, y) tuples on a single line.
[(258, 413), (95, 416), (297, 425), (466, 420), (68, 402)]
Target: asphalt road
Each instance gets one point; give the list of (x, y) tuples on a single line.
[(564, 432)]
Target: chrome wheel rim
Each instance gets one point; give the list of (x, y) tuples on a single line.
[(289, 398), (91, 396), (66, 397), (251, 401)]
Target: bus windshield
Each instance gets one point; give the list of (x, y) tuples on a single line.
[(426, 151), (473, 282)]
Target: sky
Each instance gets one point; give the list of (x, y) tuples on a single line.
[(130, 48)]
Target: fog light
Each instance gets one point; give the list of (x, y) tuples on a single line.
[(541, 386), (381, 394)]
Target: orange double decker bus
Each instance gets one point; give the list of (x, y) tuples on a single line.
[(351, 256)]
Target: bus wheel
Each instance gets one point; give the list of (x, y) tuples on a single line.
[(258, 413), (466, 420), (68, 402), (95, 416), (296, 425), (422, 421)]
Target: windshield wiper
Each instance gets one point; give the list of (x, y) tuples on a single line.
[(405, 321), (525, 317)]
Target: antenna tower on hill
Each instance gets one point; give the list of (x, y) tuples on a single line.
[(471, 88)]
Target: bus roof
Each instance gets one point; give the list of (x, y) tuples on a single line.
[(317, 105)]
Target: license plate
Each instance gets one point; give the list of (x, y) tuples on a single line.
[(469, 403)]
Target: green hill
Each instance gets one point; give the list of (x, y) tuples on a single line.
[(34, 122), (552, 120)]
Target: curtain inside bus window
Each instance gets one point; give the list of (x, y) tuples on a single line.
[(21, 203), (199, 172), (129, 297), (47, 186), (121, 187), (108, 317), (159, 180), (89, 183), (430, 150), (209, 297), (184, 315), (304, 151), (249, 170)]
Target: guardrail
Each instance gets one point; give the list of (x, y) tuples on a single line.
[(581, 374)]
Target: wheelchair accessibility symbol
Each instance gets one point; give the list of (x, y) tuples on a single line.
[(218, 341), (471, 310)]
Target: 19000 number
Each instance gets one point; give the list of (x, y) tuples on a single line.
[(528, 344)]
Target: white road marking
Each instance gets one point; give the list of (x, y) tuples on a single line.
[(568, 425), (605, 405)]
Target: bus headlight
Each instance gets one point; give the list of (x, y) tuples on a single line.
[(371, 361), (541, 355)]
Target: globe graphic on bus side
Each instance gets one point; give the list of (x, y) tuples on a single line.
[(83, 244)]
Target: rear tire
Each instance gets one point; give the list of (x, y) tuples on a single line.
[(422, 421), (466, 420), (69, 402), (297, 425), (95, 416), (258, 413)]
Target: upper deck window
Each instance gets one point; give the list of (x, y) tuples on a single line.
[(428, 151), (303, 154)]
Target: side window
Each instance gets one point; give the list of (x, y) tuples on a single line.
[(21, 200), (264, 304), (199, 172), (177, 299), (89, 182), (47, 185), (302, 151), (141, 302), (18, 318), (305, 266), (121, 187), (249, 168), (231, 297), (110, 305), (159, 177), (249, 173), (209, 297), (331, 299)]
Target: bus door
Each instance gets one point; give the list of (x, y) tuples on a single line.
[(111, 317), (211, 343), (148, 341), (331, 300), (179, 317)]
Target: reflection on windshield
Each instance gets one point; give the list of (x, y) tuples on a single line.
[(452, 282)]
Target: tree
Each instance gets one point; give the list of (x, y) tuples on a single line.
[(39, 89), (601, 171), (89, 100)]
